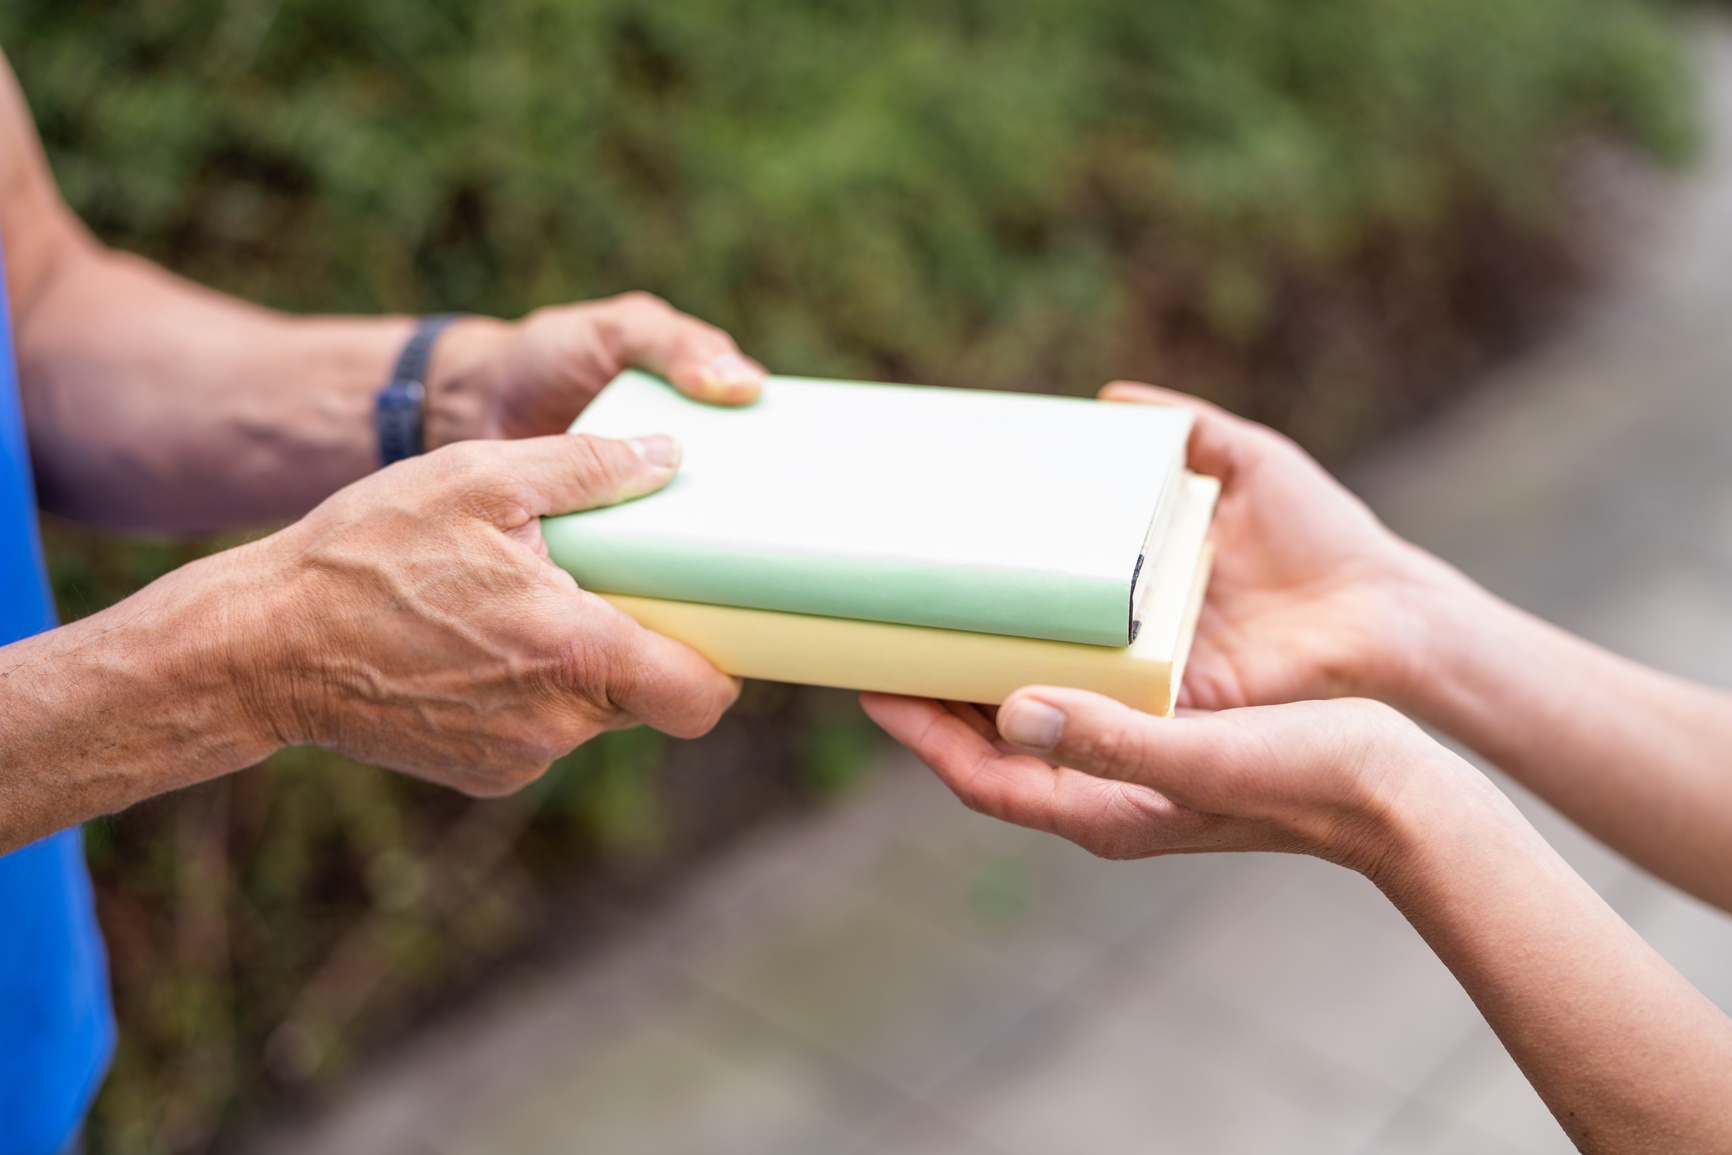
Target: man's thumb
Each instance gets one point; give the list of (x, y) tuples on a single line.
[(567, 472)]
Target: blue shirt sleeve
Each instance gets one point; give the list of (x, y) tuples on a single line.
[(56, 1021)]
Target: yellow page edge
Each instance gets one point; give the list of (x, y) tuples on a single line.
[(955, 665)]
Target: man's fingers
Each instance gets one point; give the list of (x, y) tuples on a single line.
[(653, 679), (564, 473), (699, 359)]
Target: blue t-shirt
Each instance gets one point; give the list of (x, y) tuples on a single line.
[(56, 1023)]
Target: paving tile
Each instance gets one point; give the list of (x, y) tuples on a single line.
[(662, 1090), (1167, 1069), (877, 987), (1092, 897), (926, 1130), (1706, 533), (1479, 1093), (1441, 1135), (1315, 955), (1037, 901), (998, 903)]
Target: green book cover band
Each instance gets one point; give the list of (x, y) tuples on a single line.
[(1057, 606)]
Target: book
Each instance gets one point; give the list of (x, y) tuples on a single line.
[(985, 513), (958, 666)]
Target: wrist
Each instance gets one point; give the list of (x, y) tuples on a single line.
[(1465, 657), (211, 638), (1430, 812), (141, 698), (282, 664), (463, 379), (1419, 634), (1460, 850)]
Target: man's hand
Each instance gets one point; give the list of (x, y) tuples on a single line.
[(1311, 596), (534, 376), (413, 620)]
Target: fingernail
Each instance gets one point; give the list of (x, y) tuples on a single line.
[(1031, 723), (731, 377), (661, 452), (732, 369)]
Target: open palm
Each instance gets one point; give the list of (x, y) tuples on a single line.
[(1309, 592)]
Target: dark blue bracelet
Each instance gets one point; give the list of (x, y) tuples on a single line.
[(400, 413)]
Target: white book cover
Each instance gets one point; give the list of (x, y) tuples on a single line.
[(1001, 513)]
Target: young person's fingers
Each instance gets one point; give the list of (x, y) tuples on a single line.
[(965, 759), (954, 747), (1220, 442), (1137, 393), (1305, 765), (1113, 819), (975, 717), (1189, 759)]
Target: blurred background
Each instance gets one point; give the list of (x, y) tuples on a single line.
[(1326, 214)]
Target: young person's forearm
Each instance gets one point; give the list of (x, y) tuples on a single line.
[(146, 696), (1640, 759), (1628, 1056)]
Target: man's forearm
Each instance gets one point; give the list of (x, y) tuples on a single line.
[(1640, 759), (154, 403), (1629, 1057), (148, 695)]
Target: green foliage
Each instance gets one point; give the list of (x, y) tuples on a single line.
[(944, 189), (609, 787), (1317, 210)]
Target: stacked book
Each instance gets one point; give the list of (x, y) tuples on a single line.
[(945, 543)]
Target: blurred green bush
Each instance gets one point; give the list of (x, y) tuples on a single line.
[(1320, 212), (1012, 193)]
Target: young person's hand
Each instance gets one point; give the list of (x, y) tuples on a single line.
[(1328, 779), (1626, 1054), (1311, 597), (525, 378)]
